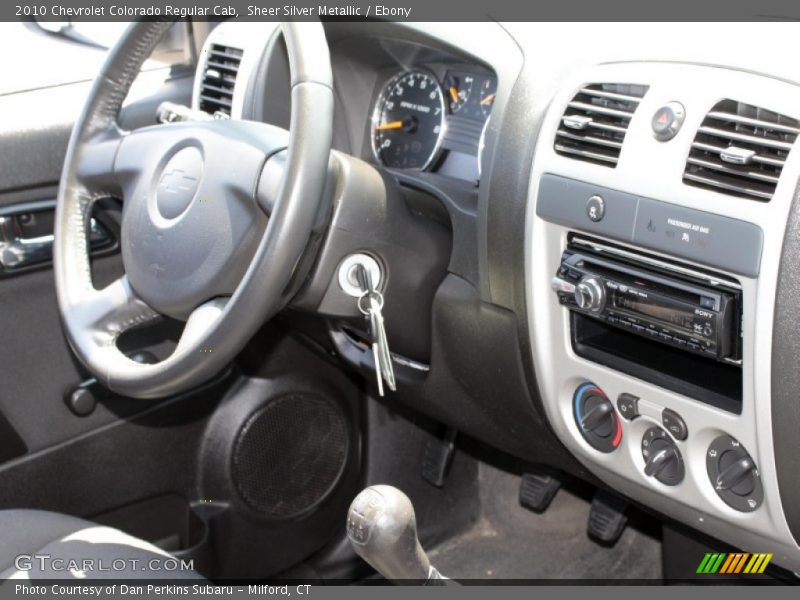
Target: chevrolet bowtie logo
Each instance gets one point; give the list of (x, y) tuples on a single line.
[(176, 181)]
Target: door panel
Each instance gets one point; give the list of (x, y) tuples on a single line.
[(37, 367)]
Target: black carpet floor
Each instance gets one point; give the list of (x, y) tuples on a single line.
[(509, 542)]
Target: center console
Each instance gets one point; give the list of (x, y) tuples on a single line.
[(658, 204)]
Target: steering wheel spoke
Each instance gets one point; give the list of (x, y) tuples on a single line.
[(109, 312), (199, 325), (95, 165)]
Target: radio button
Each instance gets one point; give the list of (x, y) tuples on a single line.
[(675, 424), (707, 302), (628, 406)]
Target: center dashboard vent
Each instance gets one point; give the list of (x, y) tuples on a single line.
[(594, 125), (219, 79), (740, 150)]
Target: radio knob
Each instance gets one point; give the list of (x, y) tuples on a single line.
[(590, 294)]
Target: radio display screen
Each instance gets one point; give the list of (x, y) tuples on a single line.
[(670, 314)]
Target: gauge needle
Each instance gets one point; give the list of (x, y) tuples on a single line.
[(453, 93), (488, 100), (389, 125)]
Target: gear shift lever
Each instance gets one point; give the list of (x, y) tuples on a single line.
[(382, 529)]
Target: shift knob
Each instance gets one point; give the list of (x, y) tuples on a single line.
[(382, 529)]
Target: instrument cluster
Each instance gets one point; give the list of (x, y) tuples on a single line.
[(427, 122)]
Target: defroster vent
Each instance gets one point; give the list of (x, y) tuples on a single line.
[(740, 150), (594, 125), (219, 79)]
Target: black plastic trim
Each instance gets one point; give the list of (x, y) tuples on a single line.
[(11, 444)]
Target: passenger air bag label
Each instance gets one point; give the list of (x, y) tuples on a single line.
[(706, 238)]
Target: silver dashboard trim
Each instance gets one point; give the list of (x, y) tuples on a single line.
[(655, 169)]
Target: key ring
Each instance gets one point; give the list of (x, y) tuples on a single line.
[(378, 298)]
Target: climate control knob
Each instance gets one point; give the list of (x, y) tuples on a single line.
[(662, 458), (734, 474), (590, 294), (596, 418)]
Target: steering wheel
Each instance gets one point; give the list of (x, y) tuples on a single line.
[(216, 217)]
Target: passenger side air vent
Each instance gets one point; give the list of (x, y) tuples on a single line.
[(219, 78), (594, 125), (740, 150)]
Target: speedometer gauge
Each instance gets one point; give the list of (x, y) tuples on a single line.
[(408, 121)]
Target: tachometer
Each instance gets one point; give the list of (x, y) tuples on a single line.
[(408, 121)]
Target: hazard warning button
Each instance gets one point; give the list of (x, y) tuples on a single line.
[(667, 121)]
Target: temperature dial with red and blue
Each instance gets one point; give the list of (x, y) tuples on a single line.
[(596, 418)]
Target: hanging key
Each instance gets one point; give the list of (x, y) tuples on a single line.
[(370, 303)]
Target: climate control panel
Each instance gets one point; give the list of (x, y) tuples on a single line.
[(732, 472)]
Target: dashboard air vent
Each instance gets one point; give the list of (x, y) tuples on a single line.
[(594, 125), (740, 150), (219, 78)]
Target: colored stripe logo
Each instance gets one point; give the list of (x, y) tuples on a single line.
[(733, 563)]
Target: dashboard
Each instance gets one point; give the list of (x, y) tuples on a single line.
[(636, 217)]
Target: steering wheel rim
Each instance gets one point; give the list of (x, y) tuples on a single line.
[(97, 157)]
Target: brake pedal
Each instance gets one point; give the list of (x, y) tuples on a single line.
[(537, 490), (607, 518), (437, 458)]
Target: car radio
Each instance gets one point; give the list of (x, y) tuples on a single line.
[(653, 298)]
